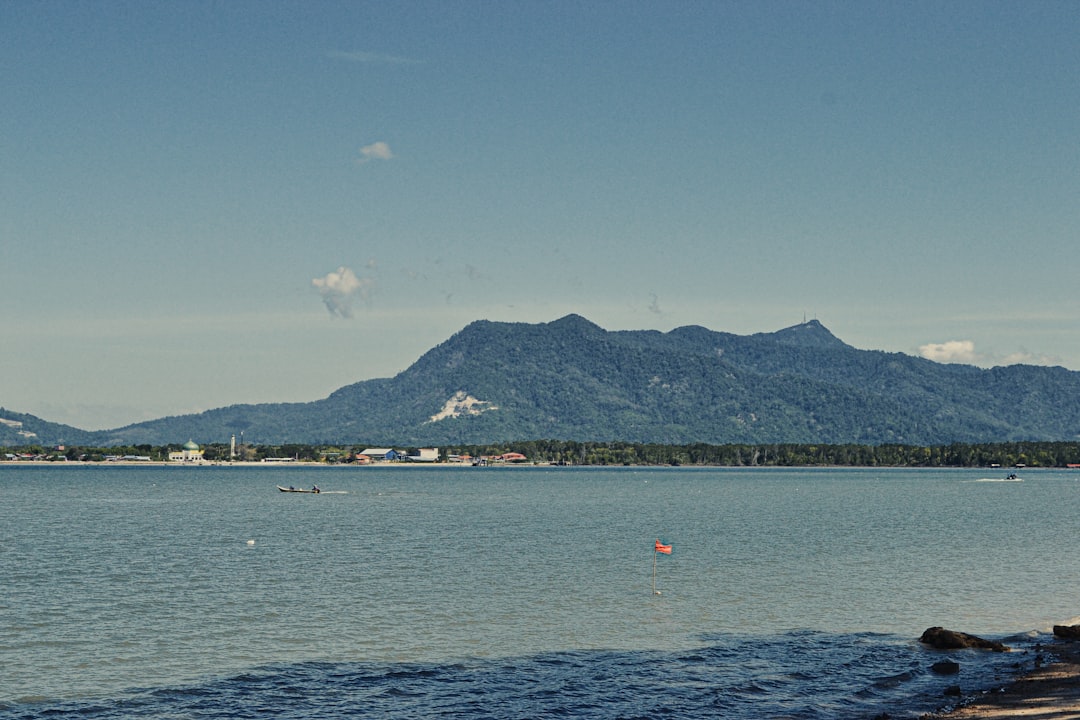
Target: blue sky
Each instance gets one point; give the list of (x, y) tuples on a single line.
[(207, 203)]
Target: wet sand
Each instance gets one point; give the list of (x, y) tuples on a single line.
[(1049, 692)]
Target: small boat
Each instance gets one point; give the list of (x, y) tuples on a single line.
[(313, 491)]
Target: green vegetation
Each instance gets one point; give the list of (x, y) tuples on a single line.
[(1031, 454), (563, 452), (783, 396)]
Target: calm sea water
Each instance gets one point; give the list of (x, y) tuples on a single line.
[(162, 592)]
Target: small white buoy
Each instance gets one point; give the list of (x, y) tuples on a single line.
[(251, 542)]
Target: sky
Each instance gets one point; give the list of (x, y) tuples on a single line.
[(210, 203)]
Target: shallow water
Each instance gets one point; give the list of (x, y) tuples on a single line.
[(517, 592)]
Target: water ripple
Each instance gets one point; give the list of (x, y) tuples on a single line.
[(802, 676)]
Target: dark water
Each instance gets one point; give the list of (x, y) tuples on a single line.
[(796, 675), (203, 592)]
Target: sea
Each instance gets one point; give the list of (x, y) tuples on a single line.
[(522, 592)]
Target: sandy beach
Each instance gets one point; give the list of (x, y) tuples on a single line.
[(1049, 692)]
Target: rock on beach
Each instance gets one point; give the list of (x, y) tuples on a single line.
[(1067, 632), (1047, 692), (942, 639)]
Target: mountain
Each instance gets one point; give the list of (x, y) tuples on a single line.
[(21, 429), (571, 379)]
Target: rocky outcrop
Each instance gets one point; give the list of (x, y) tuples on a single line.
[(945, 667), (1067, 632), (942, 639)]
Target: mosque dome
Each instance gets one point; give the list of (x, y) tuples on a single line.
[(190, 445)]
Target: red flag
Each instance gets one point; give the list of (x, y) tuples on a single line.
[(666, 549)]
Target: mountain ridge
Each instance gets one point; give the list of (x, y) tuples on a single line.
[(570, 379)]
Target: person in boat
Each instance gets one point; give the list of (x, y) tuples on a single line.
[(315, 489)]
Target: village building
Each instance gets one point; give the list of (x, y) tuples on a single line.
[(191, 453), (382, 454), (425, 455)]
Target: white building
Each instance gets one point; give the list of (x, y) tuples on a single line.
[(426, 455), (191, 453)]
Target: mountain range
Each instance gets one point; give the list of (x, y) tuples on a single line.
[(572, 380)]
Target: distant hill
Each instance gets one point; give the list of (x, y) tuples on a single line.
[(572, 380), (22, 429)]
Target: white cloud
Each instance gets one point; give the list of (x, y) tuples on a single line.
[(963, 351), (953, 351), (1022, 357), (340, 288), (375, 151)]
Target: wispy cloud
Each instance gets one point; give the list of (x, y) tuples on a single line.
[(372, 58), (1023, 357), (375, 151), (953, 351), (340, 288), (963, 351)]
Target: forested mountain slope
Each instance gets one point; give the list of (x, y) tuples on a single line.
[(571, 379)]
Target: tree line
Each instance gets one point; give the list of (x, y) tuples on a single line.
[(569, 452), (1030, 454)]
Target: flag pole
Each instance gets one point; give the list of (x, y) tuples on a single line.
[(655, 552), (657, 549)]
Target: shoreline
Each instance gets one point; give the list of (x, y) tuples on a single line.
[(1048, 691), (239, 463), (537, 464)]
